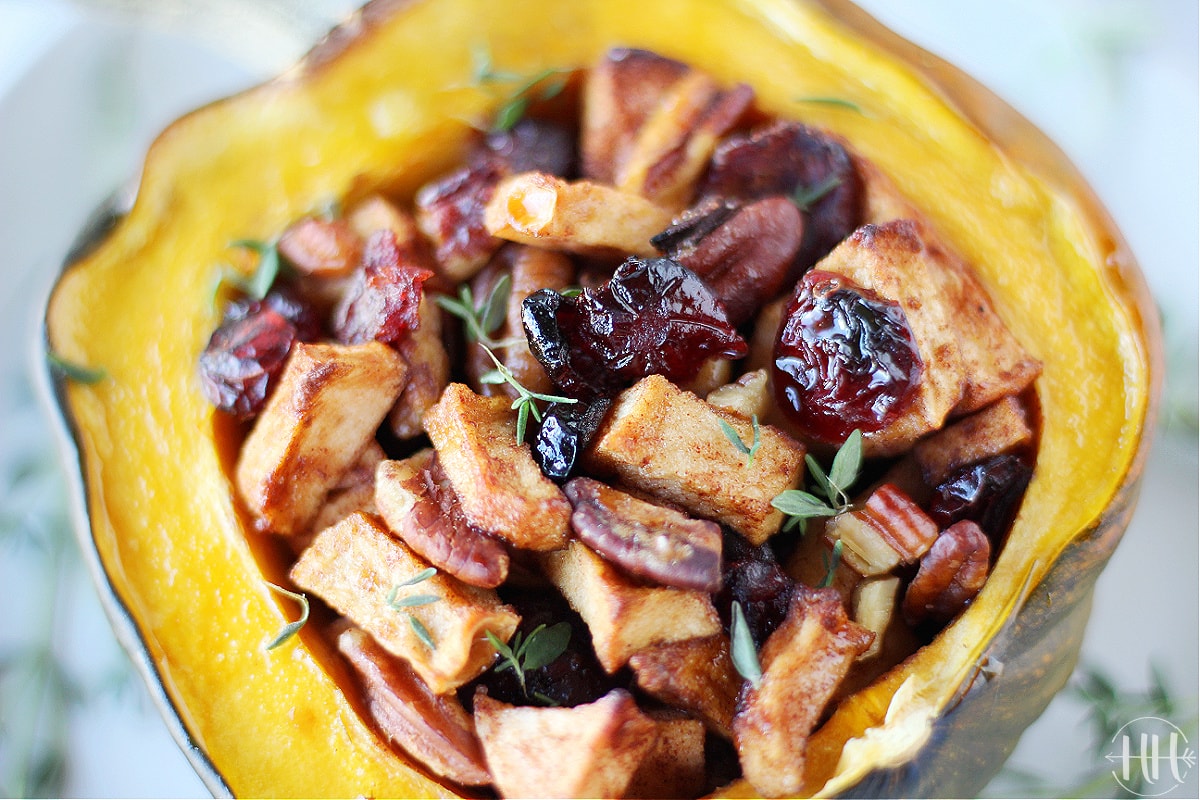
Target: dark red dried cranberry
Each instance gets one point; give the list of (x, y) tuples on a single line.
[(752, 576), (451, 210), (382, 302), (654, 316), (786, 158), (987, 493), (286, 302), (532, 145), (244, 356), (845, 358), (565, 432)]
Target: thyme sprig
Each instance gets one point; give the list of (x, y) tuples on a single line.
[(482, 320), (77, 373), (292, 628), (805, 197), (542, 646), (541, 85), (749, 451), (397, 603), (800, 505), (835, 102), (741, 646)]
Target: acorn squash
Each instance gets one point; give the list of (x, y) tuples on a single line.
[(384, 104)]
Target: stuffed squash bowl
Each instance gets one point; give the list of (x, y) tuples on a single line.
[(387, 106)]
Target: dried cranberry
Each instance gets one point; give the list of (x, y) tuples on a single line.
[(987, 493), (653, 316), (382, 304), (786, 158), (532, 145), (286, 302), (845, 358), (753, 578), (244, 356), (564, 434)]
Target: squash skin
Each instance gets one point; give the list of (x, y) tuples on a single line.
[(154, 461)]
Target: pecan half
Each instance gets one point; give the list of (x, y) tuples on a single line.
[(434, 729), (787, 158), (646, 540), (743, 252), (950, 575), (420, 506)]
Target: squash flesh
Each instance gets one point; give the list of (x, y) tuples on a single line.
[(387, 114)]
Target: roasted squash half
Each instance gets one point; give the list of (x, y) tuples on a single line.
[(384, 104)]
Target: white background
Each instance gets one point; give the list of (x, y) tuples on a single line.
[(84, 86)]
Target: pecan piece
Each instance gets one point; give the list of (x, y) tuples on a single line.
[(417, 502), (950, 575), (322, 247), (434, 729), (646, 540), (787, 158), (743, 252)]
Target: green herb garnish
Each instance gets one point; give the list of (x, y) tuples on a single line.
[(292, 628), (831, 565), (526, 653), (412, 601), (806, 196), (541, 85), (732, 435), (269, 266), (800, 505), (422, 632), (484, 319), (741, 647), (837, 102), (75, 372), (481, 322)]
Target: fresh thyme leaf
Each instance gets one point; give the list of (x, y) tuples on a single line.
[(523, 417), (742, 649), (831, 565), (572, 291), (822, 480), (292, 628), (495, 308), (805, 196), (839, 102), (268, 269), (422, 632), (423, 575), (545, 645), (732, 435), (412, 600), (75, 372), (508, 659), (802, 505), (514, 107), (843, 472), (510, 114), (526, 653)]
